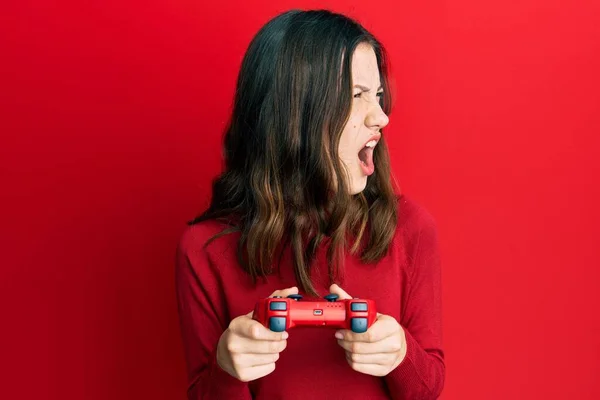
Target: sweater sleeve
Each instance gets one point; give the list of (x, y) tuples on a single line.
[(203, 319), (421, 373)]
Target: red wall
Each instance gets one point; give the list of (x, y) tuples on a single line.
[(111, 116)]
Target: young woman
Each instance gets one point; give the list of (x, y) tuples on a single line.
[(306, 205)]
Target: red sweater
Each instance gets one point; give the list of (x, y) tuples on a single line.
[(212, 290)]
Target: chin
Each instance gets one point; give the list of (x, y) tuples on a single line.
[(358, 185)]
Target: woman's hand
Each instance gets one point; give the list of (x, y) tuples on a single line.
[(247, 350), (379, 350)]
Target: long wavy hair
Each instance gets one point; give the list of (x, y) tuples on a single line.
[(284, 183)]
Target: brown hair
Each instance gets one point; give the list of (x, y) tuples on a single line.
[(283, 182)]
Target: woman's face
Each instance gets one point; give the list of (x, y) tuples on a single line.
[(362, 132)]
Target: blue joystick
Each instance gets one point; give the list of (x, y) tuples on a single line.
[(331, 297), (295, 297)]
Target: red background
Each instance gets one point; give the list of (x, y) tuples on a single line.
[(111, 118)]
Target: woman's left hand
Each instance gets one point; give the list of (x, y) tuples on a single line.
[(379, 350)]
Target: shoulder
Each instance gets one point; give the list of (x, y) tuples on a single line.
[(200, 239), (417, 228), (413, 217)]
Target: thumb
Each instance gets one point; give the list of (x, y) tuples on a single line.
[(335, 289), (285, 292)]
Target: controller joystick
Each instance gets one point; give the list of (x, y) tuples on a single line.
[(331, 297)]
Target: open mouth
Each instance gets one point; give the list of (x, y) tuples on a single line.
[(365, 156)]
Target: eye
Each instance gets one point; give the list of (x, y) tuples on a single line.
[(357, 95)]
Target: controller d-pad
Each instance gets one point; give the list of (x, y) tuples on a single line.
[(358, 325), (277, 324), (358, 307)]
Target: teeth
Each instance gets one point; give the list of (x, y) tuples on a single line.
[(372, 143)]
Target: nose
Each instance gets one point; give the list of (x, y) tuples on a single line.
[(376, 119)]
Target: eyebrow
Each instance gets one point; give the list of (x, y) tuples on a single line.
[(367, 89)]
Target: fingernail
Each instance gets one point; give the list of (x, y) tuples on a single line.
[(339, 335), (284, 335)]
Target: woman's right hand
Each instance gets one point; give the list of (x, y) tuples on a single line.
[(247, 350)]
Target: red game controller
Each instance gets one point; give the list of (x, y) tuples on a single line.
[(279, 314)]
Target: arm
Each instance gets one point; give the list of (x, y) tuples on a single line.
[(421, 373), (202, 317)]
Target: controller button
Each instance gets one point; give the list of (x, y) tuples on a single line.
[(295, 297), (331, 297), (358, 307), (358, 325), (277, 324), (278, 306)]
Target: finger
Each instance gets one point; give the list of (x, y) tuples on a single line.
[(335, 289), (253, 373), (383, 327), (390, 344), (369, 369), (385, 359), (251, 329), (254, 360), (242, 345), (285, 292)]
